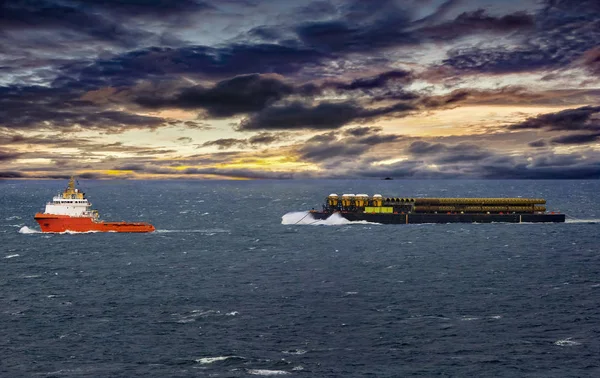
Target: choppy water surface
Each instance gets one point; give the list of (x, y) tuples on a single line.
[(227, 288)]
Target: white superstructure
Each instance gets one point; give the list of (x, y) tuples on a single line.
[(71, 202)]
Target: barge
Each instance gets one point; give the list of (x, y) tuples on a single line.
[(395, 210)]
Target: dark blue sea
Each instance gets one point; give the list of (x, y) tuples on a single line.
[(224, 289)]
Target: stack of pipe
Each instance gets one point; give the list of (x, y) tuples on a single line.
[(479, 205)]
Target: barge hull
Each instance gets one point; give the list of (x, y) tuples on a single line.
[(444, 218)]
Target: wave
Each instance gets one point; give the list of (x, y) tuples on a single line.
[(206, 231), (210, 360), (27, 230), (294, 351), (566, 342), (267, 372), (589, 221), (11, 256), (306, 218)]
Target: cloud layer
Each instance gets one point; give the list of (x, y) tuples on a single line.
[(330, 88)]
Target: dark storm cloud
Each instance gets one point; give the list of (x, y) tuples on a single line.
[(55, 108), (21, 15), (261, 139), (581, 171), (469, 23), (254, 92), (367, 26), (267, 138), (163, 62), (373, 82), (537, 143), (564, 31), (446, 154), (362, 131), (123, 148), (495, 165), (321, 152), (8, 155), (225, 143), (324, 147), (426, 148), (576, 139), (584, 118), (156, 8), (326, 115), (130, 167), (10, 174), (241, 94), (50, 141)]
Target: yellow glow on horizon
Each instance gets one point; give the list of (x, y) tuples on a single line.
[(273, 163), (116, 172)]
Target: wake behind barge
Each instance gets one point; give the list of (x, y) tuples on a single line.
[(392, 210)]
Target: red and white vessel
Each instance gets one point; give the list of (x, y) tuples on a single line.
[(71, 211)]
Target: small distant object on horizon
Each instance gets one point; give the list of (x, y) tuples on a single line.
[(388, 178)]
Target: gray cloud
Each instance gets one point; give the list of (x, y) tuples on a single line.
[(584, 118), (324, 147), (39, 108), (8, 155), (576, 139), (441, 153), (241, 94), (261, 139), (326, 115), (10, 174), (564, 31)]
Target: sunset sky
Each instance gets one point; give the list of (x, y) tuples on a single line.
[(254, 89)]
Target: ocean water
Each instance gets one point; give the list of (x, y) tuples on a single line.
[(237, 282)]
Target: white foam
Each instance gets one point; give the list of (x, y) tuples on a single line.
[(210, 360), (27, 230), (207, 231), (11, 256), (267, 372), (232, 313), (69, 232), (295, 351), (566, 342), (306, 218), (591, 221), (13, 217)]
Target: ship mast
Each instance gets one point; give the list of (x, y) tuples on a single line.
[(71, 192)]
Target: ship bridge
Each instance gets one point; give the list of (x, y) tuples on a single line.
[(71, 202)]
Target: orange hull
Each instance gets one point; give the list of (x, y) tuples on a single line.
[(62, 223)]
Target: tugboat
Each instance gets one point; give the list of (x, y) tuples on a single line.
[(71, 211), (393, 210)]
